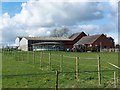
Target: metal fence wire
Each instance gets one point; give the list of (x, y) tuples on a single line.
[(59, 69)]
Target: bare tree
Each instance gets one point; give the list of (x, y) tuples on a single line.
[(62, 32)]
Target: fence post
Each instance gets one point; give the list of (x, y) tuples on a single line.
[(99, 73), (114, 79), (50, 60), (61, 63), (22, 54), (41, 59), (76, 68), (28, 56), (56, 80), (18, 55), (14, 54), (117, 80), (33, 57)]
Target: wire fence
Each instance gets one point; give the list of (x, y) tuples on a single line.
[(73, 68)]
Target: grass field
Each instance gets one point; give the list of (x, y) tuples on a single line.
[(20, 70)]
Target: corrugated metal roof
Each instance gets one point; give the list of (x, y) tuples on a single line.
[(72, 37), (47, 38), (88, 39)]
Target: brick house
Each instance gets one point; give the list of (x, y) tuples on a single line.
[(94, 42)]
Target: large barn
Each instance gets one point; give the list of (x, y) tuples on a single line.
[(48, 43), (75, 41)]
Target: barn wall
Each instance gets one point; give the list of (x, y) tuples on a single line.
[(79, 37), (24, 44), (69, 44), (105, 42)]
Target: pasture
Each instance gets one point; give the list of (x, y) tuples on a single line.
[(38, 69)]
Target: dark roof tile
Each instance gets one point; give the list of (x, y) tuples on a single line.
[(88, 39), (73, 36)]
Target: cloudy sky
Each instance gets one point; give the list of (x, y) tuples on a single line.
[(40, 17)]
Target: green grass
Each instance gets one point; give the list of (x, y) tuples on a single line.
[(17, 63)]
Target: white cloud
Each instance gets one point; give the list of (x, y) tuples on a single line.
[(38, 18)]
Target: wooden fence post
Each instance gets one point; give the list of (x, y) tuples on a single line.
[(18, 55), (115, 79), (22, 54), (8, 51), (76, 68), (15, 54), (99, 73), (56, 80), (33, 57), (28, 56), (41, 59), (61, 63), (50, 60)]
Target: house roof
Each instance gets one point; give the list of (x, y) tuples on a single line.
[(88, 39), (73, 36)]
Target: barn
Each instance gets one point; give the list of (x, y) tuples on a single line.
[(94, 42), (48, 43)]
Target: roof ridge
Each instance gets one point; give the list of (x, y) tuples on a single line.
[(78, 33)]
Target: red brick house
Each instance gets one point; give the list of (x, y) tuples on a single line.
[(93, 42)]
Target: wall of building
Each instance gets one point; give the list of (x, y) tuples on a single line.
[(69, 44), (104, 42), (24, 44), (79, 37)]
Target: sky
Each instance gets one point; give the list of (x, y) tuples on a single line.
[(40, 17)]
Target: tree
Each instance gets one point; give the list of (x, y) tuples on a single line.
[(117, 46), (62, 32)]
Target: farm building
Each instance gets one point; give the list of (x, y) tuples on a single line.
[(48, 43), (77, 41), (95, 42)]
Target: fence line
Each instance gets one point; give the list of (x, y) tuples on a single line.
[(88, 58), (108, 77), (55, 60), (113, 65), (89, 65), (69, 63), (62, 61), (55, 54), (68, 56), (53, 72), (106, 67)]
